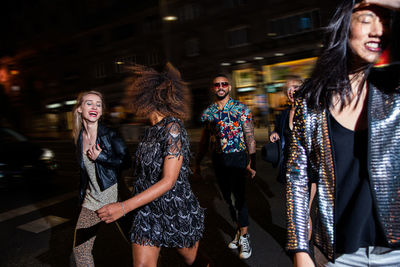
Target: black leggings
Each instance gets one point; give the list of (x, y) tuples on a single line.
[(230, 171)]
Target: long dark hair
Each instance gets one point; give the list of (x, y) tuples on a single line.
[(331, 72), (164, 92)]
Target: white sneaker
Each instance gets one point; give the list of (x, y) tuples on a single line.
[(234, 244), (245, 249)]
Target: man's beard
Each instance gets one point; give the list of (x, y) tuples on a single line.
[(219, 97)]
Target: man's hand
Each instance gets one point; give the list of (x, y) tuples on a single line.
[(251, 171)]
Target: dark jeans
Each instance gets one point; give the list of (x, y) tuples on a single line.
[(230, 170)]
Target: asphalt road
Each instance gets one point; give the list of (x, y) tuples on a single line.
[(37, 219)]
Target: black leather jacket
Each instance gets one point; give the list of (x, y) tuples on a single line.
[(109, 161)]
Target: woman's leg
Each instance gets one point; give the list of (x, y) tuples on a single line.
[(189, 254), (145, 256), (84, 236)]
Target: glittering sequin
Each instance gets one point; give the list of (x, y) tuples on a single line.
[(310, 160)]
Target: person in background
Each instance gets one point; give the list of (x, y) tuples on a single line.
[(228, 125), (345, 138), (284, 123), (166, 212), (101, 153)]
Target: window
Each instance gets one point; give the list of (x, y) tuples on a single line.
[(238, 37), (70, 49), (295, 24), (100, 70), (70, 77), (151, 24), (192, 47), (189, 12), (121, 63), (153, 59), (234, 3), (97, 40), (123, 32)]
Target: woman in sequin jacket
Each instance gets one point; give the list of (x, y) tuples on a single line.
[(346, 139)]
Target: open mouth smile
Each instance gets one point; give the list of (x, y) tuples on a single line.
[(93, 113), (373, 46)]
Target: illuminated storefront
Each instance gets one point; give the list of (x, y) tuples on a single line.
[(268, 92)]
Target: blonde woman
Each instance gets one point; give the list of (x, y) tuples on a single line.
[(101, 152)]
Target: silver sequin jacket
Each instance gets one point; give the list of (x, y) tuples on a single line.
[(311, 159)]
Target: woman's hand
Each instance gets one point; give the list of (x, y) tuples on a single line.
[(302, 259), (93, 152), (390, 4), (111, 212), (274, 137)]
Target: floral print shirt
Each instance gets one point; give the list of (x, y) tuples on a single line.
[(226, 126)]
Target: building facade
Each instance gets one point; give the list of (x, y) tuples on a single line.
[(55, 49)]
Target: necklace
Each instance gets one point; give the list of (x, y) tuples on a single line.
[(90, 139)]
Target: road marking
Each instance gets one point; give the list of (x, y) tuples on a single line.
[(36, 206), (42, 224)]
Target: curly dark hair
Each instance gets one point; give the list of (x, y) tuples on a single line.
[(164, 92)]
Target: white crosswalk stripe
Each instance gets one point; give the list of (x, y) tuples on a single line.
[(42, 224), (7, 215)]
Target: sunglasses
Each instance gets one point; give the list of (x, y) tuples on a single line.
[(222, 84)]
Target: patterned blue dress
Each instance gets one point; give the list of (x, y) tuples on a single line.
[(175, 219)]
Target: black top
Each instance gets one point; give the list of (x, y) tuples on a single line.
[(356, 221), (175, 219)]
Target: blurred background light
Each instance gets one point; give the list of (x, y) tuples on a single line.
[(225, 64), (170, 18), (70, 102), (15, 88), (246, 89), (55, 105)]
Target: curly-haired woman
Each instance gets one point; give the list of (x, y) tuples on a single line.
[(166, 212)]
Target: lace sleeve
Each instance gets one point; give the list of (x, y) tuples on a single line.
[(174, 140)]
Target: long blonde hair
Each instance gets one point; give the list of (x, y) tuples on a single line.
[(77, 121)]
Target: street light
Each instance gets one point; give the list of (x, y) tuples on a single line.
[(170, 18)]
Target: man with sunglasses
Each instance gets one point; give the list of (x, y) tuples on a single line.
[(229, 131)]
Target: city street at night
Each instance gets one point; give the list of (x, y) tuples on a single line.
[(108, 108), (37, 220)]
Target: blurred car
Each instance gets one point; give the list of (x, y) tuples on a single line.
[(22, 159)]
